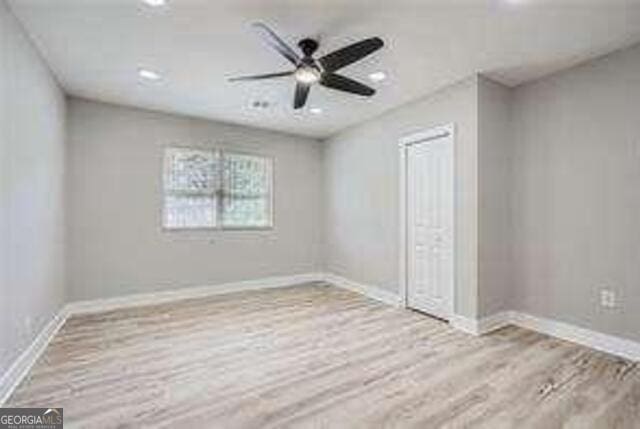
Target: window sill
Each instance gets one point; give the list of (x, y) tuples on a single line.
[(217, 230)]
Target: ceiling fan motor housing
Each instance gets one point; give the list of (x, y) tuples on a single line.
[(308, 46)]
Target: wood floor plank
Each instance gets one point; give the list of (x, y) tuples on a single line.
[(315, 356)]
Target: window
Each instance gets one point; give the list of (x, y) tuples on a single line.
[(216, 189)]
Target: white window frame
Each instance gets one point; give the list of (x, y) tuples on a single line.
[(219, 152)]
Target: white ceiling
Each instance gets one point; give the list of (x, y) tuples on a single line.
[(96, 46)]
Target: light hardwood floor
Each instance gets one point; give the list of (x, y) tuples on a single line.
[(315, 356)]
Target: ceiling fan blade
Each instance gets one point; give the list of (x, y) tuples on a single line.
[(341, 83), (302, 92), (272, 39), (261, 76), (350, 54)]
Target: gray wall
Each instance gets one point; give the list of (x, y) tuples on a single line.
[(32, 116), (554, 167), (362, 183), (116, 245), (362, 204), (495, 179), (577, 194)]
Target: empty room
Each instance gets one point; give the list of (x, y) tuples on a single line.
[(320, 214)]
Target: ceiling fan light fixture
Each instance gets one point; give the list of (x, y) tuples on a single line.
[(307, 75)]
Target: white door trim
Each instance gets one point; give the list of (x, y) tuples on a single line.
[(441, 131)]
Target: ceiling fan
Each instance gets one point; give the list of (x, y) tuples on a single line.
[(309, 70)]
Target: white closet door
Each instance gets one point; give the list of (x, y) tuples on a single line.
[(430, 202)]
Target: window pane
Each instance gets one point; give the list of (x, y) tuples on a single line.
[(190, 181), (247, 190), (246, 175), (245, 213), (190, 171), (189, 211)]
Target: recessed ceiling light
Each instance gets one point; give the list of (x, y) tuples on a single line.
[(155, 3), (377, 76), (315, 110), (148, 74)]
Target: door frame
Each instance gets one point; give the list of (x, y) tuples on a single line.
[(433, 133)]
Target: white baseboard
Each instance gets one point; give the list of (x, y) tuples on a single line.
[(495, 321), (596, 340), (465, 324), (372, 292), (22, 365), (481, 326), (143, 299)]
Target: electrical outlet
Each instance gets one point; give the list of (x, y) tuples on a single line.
[(607, 298)]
